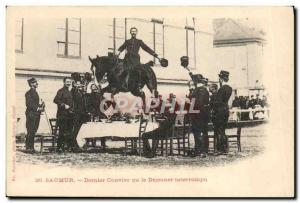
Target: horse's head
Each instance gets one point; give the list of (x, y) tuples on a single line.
[(101, 65)]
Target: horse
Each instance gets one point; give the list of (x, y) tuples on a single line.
[(109, 66)]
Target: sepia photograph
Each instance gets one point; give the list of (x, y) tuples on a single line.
[(150, 101)]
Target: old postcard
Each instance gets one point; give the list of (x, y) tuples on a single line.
[(150, 102)]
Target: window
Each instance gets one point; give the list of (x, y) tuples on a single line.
[(190, 43), (69, 43), (118, 34), (175, 44), (158, 37), (19, 35)]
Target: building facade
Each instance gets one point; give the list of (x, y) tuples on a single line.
[(239, 49), (50, 50)]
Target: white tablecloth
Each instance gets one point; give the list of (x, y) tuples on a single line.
[(114, 129)]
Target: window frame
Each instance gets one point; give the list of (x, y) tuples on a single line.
[(17, 50), (187, 30), (160, 23), (66, 42), (114, 37)]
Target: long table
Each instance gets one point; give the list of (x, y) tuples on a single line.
[(118, 129)]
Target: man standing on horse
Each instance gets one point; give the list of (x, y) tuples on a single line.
[(132, 57), (132, 46)]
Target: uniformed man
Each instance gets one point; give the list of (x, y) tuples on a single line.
[(65, 115), (80, 113), (200, 120), (222, 111), (33, 112), (132, 46), (213, 89), (236, 102)]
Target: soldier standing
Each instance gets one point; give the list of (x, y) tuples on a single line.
[(200, 120), (222, 111), (213, 89), (65, 115), (80, 114), (33, 112)]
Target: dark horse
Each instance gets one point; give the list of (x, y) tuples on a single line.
[(138, 77)]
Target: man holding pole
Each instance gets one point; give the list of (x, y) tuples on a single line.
[(33, 113)]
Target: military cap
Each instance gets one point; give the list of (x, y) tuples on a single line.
[(184, 61), (224, 74), (198, 78), (164, 62), (31, 80)]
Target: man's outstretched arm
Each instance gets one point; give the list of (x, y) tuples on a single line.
[(148, 49), (122, 47)]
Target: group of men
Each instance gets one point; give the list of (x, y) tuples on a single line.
[(75, 106), (212, 108), (72, 112), (207, 107), (245, 103), (72, 108)]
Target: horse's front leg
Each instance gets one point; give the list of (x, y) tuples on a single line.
[(141, 94)]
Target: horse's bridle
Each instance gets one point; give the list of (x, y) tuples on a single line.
[(93, 67)]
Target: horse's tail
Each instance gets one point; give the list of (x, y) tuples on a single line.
[(152, 80)]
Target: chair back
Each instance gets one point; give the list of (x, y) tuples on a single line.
[(143, 126), (239, 129), (54, 126)]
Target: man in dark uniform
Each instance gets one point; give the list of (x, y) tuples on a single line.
[(200, 120), (132, 57), (236, 102), (65, 115), (222, 111), (33, 112), (213, 89), (132, 46), (80, 113)]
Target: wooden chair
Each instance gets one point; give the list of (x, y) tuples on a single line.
[(178, 143), (54, 126), (234, 140), (135, 144), (49, 142), (212, 142)]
